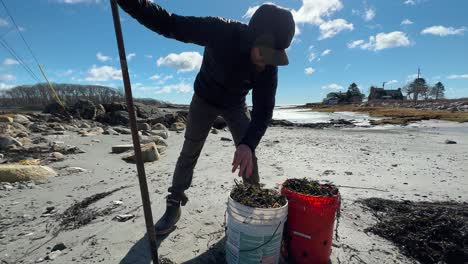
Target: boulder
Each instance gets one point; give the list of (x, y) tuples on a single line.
[(177, 126), (6, 119), (214, 131), (53, 108), (22, 135), (8, 141), (143, 126), (162, 133), (75, 170), (110, 131), (156, 139), (219, 123), (19, 173), (112, 107), (56, 156), (96, 130), (25, 140), (85, 125), (117, 149), (100, 110), (21, 119), (85, 109), (122, 148), (122, 130), (5, 128), (117, 118), (38, 127), (18, 127), (448, 141), (149, 153), (159, 126)]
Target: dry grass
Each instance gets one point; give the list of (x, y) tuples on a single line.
[(397, 115)]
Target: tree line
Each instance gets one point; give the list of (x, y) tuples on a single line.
[(37, 96)]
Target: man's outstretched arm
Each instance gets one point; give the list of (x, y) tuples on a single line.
[(204, 31), (263, 97), (263, 102)]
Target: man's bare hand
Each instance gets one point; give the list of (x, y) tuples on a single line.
[(243, 159)]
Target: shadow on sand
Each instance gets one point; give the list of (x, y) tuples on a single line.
[(140, 253)]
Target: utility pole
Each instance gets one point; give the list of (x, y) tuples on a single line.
[(135, 137)]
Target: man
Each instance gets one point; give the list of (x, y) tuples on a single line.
[(237, 58)]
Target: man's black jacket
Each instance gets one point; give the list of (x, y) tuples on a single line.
[(226, 73)]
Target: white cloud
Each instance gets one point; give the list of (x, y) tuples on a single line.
[(391, 82), (130, 56), (313, 11), (326, 52), (102, 58), (406, 22), (355, 43), (160, 78), (103, 74), (458, 76), (78, 1), (332, 86), (312, 56), (148, 56), (181, 87), (382, 41), (369, 14), (409, 2), (331, 28), (3, 22), (155, 77), (7, 77), (443, 31), (184, 62), (9, 61), (309, 70)]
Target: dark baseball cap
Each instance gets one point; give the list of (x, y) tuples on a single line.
[(273, 29)]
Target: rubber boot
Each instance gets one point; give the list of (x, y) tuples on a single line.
[(167, 223)]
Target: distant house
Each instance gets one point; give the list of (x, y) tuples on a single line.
[(349, 97), (334, 98), (382, 94)]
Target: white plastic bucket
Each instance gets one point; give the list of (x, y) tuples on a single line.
[(254, 234)]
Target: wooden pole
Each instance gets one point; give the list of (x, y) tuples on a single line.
[(136, 140)]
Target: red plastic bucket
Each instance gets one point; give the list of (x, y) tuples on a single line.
[(309, 230)]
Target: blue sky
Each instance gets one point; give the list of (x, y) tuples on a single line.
[(339, 42)]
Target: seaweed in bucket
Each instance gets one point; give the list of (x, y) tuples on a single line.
[(310, 187), (257, 197)]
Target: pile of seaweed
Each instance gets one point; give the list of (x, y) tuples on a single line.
[(310, 187), (79, 214), (428, 232), (257, 197)]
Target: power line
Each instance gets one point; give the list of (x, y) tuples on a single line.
[(19, 32), (18, 58)]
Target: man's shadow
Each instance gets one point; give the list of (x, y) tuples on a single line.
[(140, 253)]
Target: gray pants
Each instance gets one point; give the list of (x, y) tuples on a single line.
[(200, 120)]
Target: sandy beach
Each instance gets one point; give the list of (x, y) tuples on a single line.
[(410, 163)]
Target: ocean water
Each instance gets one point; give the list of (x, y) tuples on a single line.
[(306, 116)]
